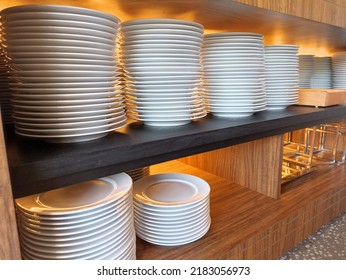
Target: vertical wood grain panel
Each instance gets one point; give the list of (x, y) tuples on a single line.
[(9, 243), (255, 165)]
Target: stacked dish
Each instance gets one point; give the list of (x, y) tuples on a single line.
[(306, 70), (322, 77), (339, 70), (139, 173), (66, 84), (161, 59), (91, 220), (281, 63), (5, 99), (233, 65), (171, 209)]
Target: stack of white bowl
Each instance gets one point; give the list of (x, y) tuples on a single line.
[(66, 79), (306, 70), (90, 220), (161, 58), (171, 209), (339, 70), (138, 173), (322, 77), (5, 97), (233, 64), (282, 77)]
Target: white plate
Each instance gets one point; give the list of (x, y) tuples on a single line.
[(170, 189), (65, 55), (63, 73), (160, 21), (60, 31), (163, 31), (153, 47), (153, 43), (137, 51), (162, 64), (195, 37), (62, 61), (71, 125), (40, 93), (65, 67), (64, 80), (58, 49), (33, 15), (161, 25), (232, 34), (94, 216), (175, 242), (71, 102), (7, 26), (73, 114), (30, 43), (68, 200), (12, 37), (162, 59), (58, 9)]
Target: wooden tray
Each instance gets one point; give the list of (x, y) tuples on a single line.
[(321, 97)]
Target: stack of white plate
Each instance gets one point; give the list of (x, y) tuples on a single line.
[(306, 70), (138, 173), (66, 79), (161, 59), (91, 220), (233, 64), (322, 77), (339, 70), (171, 209), (282, 81), (5, 97)]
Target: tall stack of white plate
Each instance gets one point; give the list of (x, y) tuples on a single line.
[(339, 70), (66, 84), (5, 97), (322, 77), (282, 77), (91, 220), (233, 64), (161, 58), (306, 70), (171, 209)]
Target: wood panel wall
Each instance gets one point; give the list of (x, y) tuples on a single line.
[(255, 165), (327, 11), (9, 243)]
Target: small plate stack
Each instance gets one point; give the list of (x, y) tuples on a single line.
[(91, 220), (233, 64), (339, 70), (161, 59), (5, 97), (66, 85), (171, 209), (322, 77), (139, 173), (306, 70), (281, 62)]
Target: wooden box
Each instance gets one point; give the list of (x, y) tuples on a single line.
[(321, 97)]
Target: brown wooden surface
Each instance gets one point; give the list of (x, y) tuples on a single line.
[(321, 97), (227, 15), (328, 11), (254, 164), (9, 244), (249, 225)]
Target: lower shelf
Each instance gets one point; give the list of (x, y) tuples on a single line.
[(249, 225)]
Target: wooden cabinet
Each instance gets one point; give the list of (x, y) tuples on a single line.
[(251, 147)]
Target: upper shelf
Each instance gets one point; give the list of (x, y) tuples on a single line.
[(37, 166), (226, 15)]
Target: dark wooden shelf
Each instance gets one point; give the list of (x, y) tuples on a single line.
[(36, 166)]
